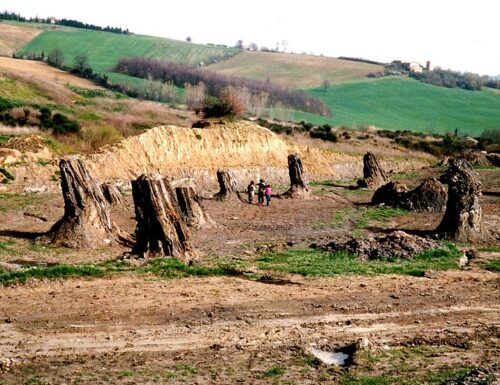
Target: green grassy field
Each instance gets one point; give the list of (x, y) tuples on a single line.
[(105, 49), (403, 103), (293, 70)]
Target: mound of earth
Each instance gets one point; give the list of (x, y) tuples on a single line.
[(482, 158), (397, 244)]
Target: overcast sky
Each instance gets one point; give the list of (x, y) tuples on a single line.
[(461, 35)]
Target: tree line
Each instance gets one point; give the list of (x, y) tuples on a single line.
[(453, 79), (180, 75), (5, 15)]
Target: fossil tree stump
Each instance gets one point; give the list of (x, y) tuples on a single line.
[(228, 186), (87, 220), (430, 195), (373, 174), (112, 194), (191, 207), (390, 194), (160, 230), (462, 218), (298, 186)]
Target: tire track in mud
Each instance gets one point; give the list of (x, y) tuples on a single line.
[(130, 337)]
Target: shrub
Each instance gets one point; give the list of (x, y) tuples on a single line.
[(62, 125)]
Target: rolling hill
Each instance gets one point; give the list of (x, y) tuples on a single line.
[(292, 70), (104, 49), (404, 103), (393, 103)]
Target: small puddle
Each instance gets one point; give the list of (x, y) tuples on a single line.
[(340, 357), (335, 358)]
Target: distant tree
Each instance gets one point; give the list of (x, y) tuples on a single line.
[(253, 47), (233, 97), (81, 62), (56, 58), (239, 44), (195, 95), (326, 85), (189, 39)]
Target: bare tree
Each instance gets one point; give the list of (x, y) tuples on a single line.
[(195, 95), (81, 62), (56, 58)]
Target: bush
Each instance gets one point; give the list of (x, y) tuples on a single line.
[(217, 109), (62, 125)]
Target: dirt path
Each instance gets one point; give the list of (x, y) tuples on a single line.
[(78, 321)]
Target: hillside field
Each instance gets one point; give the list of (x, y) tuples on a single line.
[(104, 49), (293, 70), (403, 103)]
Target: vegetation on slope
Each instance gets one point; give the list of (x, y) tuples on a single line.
[(104, 117), (295, 71), (402, 103), (104, 49)]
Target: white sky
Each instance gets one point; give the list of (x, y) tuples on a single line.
[(458, 34)]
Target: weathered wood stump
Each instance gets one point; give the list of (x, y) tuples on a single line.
[(430, 195), (373, 174), (298, 186), (160, 230), (462, 218), (87, 220), (191, 207), (112, 194), (228, 186)]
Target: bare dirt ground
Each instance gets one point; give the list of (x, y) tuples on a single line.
[(133, 328), (39, 70)]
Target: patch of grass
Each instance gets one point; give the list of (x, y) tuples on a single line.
[(274, 371), (407, 378), (493, 266), (90, 116), (6, 247), (312, 262), (173, 268), (90, 93), (51, 272), (490, 249), (5, 138), (13, 201), (359, 218), (125, 373)]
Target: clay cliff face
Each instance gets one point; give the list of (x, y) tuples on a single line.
[(191, 154)]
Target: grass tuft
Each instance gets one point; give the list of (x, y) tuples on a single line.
[(310, 262)]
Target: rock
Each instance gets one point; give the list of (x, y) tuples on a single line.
[(397, 244)]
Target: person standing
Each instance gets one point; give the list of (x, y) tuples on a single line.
[(267, 193), (251, 191), (260, 192)]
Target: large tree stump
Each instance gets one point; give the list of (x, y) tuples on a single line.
[(462, 218), (373, 174), (87, 220), (430, 195), (298, 186), (191, 207), (228, 186), (160, 230), (112, 194)]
